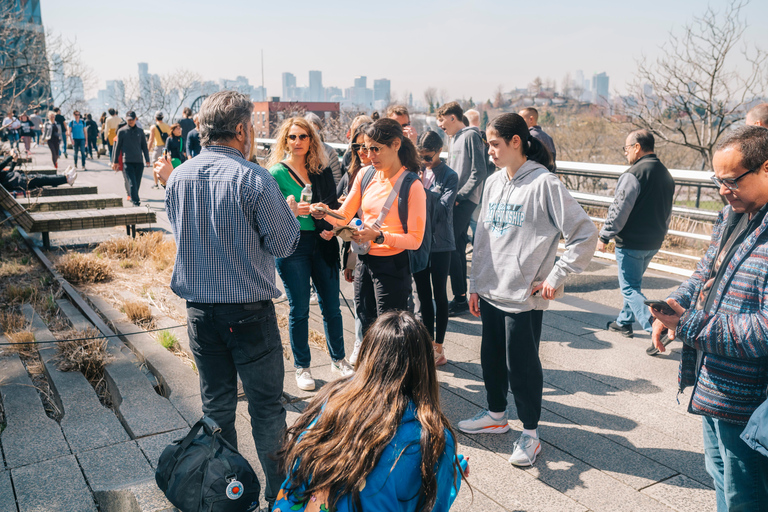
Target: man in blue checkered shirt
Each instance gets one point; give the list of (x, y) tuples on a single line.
[(230, 222)]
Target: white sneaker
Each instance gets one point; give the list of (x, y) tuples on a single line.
[(304, 379), (526, 450), (342, 367), (313, 298), (355, 354), (71, 175), (483, 423)]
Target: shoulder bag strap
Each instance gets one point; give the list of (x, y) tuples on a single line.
[(390, 199), (295, 176)]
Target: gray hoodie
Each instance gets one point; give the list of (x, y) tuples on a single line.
[(520, 224), (468, 158)]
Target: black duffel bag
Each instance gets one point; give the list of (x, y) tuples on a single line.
[(204, 473)]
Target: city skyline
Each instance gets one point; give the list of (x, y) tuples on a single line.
[(445, 45)]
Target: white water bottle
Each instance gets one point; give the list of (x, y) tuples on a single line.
[(359, 248), (306, 196)]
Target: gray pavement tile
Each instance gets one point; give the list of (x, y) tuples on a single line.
[(475, 500), (153, 446), (683, 494), (7, 498), (32, 484), (86, 423), (30, 436)]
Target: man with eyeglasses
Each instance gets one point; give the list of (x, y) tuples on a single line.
[(400, 114), (721, 316), (637, 220)]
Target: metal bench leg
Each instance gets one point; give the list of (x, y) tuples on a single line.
[(128, 230), (133, 230), (46, 241)]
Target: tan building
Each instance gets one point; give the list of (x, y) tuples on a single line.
[(267, 115)]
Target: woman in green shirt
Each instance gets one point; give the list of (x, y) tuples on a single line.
[(298, 159)]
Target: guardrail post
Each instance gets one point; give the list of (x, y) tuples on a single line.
[(698, 195)]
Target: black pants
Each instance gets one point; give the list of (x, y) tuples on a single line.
[(92, 146), (509, 355), (382, 283), (437, 272), (462, 214), (134, 172), (42, 181), (231, 339)]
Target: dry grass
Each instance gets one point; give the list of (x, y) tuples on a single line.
[(147, 246), (84, 268), (12, 321), (19, 294), (22, 342), (88, 356), (138, 312)]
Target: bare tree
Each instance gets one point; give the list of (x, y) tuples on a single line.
[(430, 98), (498, 98), (23, 61), (692, 93)]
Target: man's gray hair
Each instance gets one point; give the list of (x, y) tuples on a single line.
[(752, 141), (220, 114)]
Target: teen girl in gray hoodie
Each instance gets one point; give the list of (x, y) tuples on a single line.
[(524, 212)]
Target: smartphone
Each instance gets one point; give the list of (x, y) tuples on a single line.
[(661, 306)]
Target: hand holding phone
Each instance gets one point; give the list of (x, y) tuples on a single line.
[(660, 306)]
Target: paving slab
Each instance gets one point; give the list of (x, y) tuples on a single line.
[(683, 494), (122, 480), (74, 315), (153, 446), (7, 498), (86, 423), (33, 486), (30, 436), (180, 383)]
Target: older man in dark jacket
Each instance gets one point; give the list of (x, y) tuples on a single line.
[(132, 145), (721, 316)]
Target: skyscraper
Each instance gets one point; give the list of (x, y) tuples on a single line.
[(289, 87), (600, 88), (316, 86), (381, 90)]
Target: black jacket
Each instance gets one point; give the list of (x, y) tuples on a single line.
[(193, 143), (131, 143), (324, 191), (441, 197)]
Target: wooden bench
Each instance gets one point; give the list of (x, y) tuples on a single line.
[(74, 219), (76, 190), (38, 172), (61, 203)]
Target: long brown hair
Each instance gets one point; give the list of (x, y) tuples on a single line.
[(317, 159), (354, 161), (358, 417)]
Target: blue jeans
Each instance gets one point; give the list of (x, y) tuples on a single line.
[(79, 145), (295, 271), (231, 339), (632, 265), (740, 473)]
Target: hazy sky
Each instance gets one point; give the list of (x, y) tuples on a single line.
[(467, 48)]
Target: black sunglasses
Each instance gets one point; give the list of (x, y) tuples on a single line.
[(303, 136), (358, 147)]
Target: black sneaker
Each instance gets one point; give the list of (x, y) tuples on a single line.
[(624, 330), (458, 306), (652, 350)]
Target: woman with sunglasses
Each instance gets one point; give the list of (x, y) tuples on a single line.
[(525, 210), (441, 183), (297, 159), (383, 275)]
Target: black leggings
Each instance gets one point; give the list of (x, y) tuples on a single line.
[(509, 356), (437, 271), (382, 283), (42, 181)]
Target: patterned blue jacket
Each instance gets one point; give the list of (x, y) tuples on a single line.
[(730, 373)]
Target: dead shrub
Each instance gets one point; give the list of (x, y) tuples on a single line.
[(83, 268), (12, 321), (22, 343), (87, 356), (19, 294), (137, 312)]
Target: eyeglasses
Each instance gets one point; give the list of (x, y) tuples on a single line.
[(624, 148), (371, 149), (404, 125), (358, 147), (730, 183), (303, 136), (428, 158)]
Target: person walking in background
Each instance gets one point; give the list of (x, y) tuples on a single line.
[(441, 184), (131, 145), (37, 123), (26, 131), (78, 135), (52, 137), (467, 157), (333, 156), (193, 140), (531, 116), (721, 315), (61, 121), (91, 136), (187, 124), (11, 128), (174, 150), (525, 211), (638, 219), (111, 126), (373, 428), (298, 159), (158, 134), (229, 281)]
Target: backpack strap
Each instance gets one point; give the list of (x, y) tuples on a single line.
[(393, 194)]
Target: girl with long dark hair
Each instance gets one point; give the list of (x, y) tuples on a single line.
[(378, 440), (383, 274), (524, 212), (441, 184), (299, 159)]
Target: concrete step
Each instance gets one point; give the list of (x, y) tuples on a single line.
[(7, 498), (56, 484), (140, 409), (30, 436), (86, 423), (65, 190), (179, 382)]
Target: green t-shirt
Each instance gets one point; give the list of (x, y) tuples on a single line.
[(289, 187)]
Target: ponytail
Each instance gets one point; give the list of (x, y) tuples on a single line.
[(538, 152), (509, 125), (408, 155)]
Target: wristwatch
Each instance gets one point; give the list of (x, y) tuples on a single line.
[(379, 239)]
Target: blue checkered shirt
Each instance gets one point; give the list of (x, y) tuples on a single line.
[(230, 222)]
